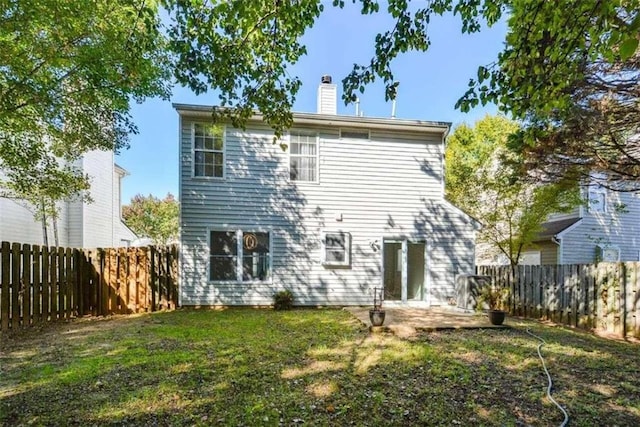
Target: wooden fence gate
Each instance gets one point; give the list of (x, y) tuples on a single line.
[(42, 284), (605, 296)]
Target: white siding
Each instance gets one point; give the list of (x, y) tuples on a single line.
[(18, 223), (614, 227), (80, 224), (74, 217), (389, 186), (122, 235), (98, 215)]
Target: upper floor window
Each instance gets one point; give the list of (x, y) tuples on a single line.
[(355, 134), (208, 150), (303, 157), (597, 199)]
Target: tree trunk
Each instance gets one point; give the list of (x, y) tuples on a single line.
[(54, 221), (43, 218)]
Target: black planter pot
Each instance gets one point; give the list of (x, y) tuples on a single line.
[(496, 317), (376, 317)]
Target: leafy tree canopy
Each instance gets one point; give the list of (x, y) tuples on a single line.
[(153, 218), (68, 71), (564, 63), (481, 180)]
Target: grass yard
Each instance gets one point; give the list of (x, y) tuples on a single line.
[(312, 367)]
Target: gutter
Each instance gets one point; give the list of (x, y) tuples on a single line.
[(417, 126)]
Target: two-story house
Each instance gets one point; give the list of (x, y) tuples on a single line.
[(80, 224), (605, 228), (352, 204)]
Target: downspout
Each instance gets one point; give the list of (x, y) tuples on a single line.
[(558, 242)]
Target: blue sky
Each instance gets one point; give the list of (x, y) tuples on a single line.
[(430, 85)]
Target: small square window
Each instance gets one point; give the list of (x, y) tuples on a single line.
[(607, 253), (597, 200), (336, 249)]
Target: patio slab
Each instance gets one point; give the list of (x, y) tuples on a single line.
[(406, 321)]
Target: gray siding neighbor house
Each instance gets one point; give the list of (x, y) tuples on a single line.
[(352, 204), (606, 228)]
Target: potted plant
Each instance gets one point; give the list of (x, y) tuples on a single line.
[(376, 314), (496, 299)]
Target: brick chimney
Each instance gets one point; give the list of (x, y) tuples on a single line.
[(327, 96)]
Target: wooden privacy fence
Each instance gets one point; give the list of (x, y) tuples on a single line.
[(605, 296), (41, 284)]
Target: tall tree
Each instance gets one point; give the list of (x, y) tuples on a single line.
[(568, 71), (68, 71), (571, 71), (481, 180), (153, 218)]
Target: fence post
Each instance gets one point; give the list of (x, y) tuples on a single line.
[(153, 276), (15, 285), (634, 297), (5, 284), (25, 285), (37, 285), (80, 277), (175, 274)]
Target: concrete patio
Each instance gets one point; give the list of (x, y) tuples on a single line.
[(405, 322)]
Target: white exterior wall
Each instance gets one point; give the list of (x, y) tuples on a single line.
[(18, 224), (123, 236), (80, 224), (98, 216), (613, 227), (386, 187)]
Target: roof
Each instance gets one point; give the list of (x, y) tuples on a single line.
[(553, 228), (334, 120), (119, 169)]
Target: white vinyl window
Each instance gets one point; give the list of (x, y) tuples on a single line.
[(355, 134), (336, 249), (597, 199), (303, 156), (236, 256), (607, 253), (208, 150)]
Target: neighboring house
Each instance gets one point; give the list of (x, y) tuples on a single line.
[(607, 228), (353, 204), (80, 225)]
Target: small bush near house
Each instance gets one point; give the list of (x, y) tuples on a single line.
[(283, 300)]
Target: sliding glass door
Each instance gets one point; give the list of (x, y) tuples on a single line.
[(404, 270)]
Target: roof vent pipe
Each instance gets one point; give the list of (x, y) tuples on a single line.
[(357, 107), (393, 109)]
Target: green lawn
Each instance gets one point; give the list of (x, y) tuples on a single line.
[(313, 367)]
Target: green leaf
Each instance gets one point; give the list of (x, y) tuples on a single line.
[(628, 48)]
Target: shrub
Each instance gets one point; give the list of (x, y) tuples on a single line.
[(495, 297), (283, 300)]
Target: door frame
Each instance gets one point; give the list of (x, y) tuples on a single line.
[(426, 284)]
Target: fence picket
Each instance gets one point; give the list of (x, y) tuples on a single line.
[(36, 289), (15, 285), (5, 285), (25, 286), (46, 285), (605, 296)]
